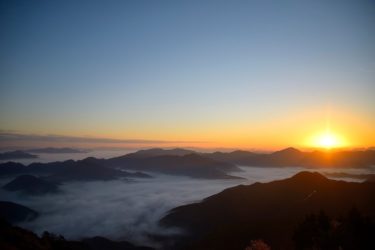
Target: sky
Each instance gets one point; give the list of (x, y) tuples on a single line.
[(238, 74)]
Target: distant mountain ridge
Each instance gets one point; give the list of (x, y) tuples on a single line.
[(283, 158), (18, 154), (192, 165), (51, 150), (217, 165), (185, 163), (144, 153), (89, 169), (293, 157)]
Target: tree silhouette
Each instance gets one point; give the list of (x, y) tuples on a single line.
[(354, 231), (257, 245)]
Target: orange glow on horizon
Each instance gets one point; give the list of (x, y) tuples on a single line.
[(328, 139), (303, 129)]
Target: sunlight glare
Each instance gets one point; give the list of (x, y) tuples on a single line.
[(328, 141)]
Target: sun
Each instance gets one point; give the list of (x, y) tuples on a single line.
[(328, 141)]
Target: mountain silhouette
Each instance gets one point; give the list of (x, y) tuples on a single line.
[(217, 165), (18, 154), (15, 213), (31, 185), (12, 168), (184, 163), (90, 169), (101, 243), (268, 211), (293, 157), (193, 165), (239, 157), (160, 152), (50, 150), (13, 237)]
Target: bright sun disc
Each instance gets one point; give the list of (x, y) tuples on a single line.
[(327, 140)]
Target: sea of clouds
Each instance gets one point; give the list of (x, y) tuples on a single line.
[(127, 209)]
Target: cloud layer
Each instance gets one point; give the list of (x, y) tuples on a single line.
[(128, 210)]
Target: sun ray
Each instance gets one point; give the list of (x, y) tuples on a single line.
[(327, 139)]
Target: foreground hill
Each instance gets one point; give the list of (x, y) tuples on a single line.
[(14, 213), (268, 211), (12, 237)]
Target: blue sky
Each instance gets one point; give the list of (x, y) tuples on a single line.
[(141, 69)]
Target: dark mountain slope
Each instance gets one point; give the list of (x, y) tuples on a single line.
[(293, 157), (55, 151), (270, 211), (16, 155), (160, 152), (14, 213), (183, 162), (83, 170), (239, 157), (90, 169), (286, 157), (192, 165), (31, 185), (11, 168), (101, 243), (16, 238), (344, 159)]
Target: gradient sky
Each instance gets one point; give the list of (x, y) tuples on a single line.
[(250, 74)]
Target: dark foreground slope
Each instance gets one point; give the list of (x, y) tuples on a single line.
[(269, 211), (16, 238), (15, 213)]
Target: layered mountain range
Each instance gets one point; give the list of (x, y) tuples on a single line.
[(217, 165)]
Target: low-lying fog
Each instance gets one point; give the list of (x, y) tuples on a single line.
[(127, 210)]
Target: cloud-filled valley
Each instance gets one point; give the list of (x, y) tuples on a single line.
[(124, 206), (123, 209)]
